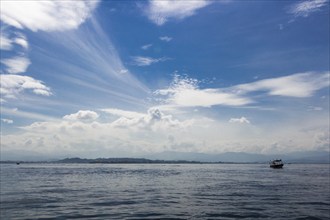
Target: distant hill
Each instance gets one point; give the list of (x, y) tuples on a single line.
[(178, 157), (241, 157), (120, 160)]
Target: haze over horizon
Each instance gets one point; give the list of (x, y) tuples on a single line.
[(130, 78)]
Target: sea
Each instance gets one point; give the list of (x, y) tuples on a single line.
[(164, 191)]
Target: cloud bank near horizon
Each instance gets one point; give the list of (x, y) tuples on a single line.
[(162, 129)]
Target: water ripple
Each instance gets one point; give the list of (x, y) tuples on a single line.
[(156, 191)]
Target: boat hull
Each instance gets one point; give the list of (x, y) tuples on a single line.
[(276, 166)]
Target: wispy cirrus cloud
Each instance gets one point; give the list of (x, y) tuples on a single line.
[(95, 62), (146, 46), (305, 8), (16, 65), (122, 113), (17, 113), (160, 12), (93, 51), (298, 85), (35, 16), (147, 61)]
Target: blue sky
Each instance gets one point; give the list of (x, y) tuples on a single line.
[(130, 78)]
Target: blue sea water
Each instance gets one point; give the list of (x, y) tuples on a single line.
[(164, 191)]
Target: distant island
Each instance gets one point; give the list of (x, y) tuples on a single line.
[(121, 160), (115, 161), (174, 157)]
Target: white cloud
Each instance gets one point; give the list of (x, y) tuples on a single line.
[(41, 92), (122, 113), (5, 42), (159, 12), (241, 120), (22, 42), (322, 140), (8, 121), (298, 85), (143, 133), (123, 71), (146, 47), (305, 8), (16, 64), (36, 15), (314, 108), (82, 115), (184, 92), (156, 131), (206, 98), (154, 120), (166, 38), (147, 61), (89, 44), (12, 85), (46, 15)]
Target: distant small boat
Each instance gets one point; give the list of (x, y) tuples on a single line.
[(276, 164), (17, 163)]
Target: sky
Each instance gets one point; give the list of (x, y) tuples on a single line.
[(131, 78)]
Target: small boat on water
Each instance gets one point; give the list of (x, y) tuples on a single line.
[(276, 164)]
